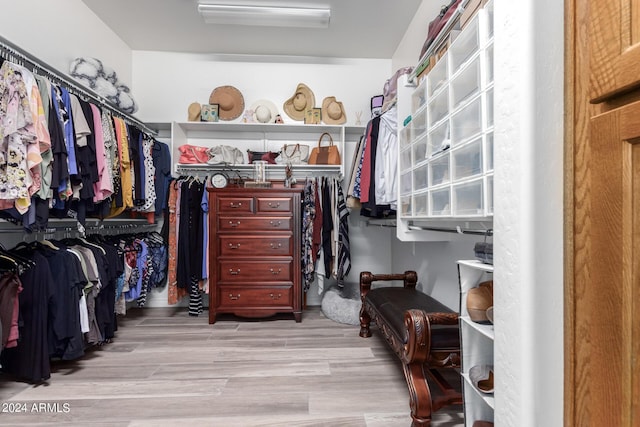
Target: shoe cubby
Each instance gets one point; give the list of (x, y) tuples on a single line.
[(476, 340)]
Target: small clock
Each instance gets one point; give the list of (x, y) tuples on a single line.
[(219, 180)]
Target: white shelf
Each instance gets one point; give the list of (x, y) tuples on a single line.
[(259, 137), (273, 171), (488, 398), (486, 330), (476, 265)]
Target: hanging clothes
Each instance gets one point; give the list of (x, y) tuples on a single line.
[(387, 159), (174, 292), (10, 287), (66, 157), (308, 218), (162, 163), (344, 247), (29, 360), (189, 242), (325, 232)]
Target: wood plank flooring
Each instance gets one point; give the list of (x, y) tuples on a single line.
[(165, 368)]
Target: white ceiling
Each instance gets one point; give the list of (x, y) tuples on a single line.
[(358, 28)]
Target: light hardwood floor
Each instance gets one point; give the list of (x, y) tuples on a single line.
[(165, 368)]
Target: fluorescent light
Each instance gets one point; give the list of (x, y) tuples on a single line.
[(266, 16)]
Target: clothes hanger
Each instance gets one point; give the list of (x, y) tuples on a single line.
[(49, 244)]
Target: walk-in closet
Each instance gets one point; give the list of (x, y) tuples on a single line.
[(190, 191)]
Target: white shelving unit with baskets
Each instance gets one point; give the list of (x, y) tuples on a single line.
[(446, 148), (476, 342)]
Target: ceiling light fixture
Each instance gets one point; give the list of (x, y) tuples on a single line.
[(267, 16)]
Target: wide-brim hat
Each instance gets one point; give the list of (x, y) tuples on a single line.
[(264, 111), (333, 111), (230, 102), (301, 101)]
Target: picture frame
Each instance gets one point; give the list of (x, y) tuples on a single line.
[(209, 113), (313, 116)]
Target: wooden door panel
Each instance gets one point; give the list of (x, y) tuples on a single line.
[(614, 47), (605, 373)]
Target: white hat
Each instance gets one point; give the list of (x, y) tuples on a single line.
[(264, 111)]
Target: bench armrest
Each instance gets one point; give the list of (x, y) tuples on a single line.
[(418, 323), (409, 279)]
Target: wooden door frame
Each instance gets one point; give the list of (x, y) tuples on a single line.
[(572, 129)]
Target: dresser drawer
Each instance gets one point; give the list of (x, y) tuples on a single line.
[(253, 223), (274, 204), (255, 297), (272, 245), (253, 271), (234, 204)]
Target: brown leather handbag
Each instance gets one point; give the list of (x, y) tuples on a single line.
[(325, 155)]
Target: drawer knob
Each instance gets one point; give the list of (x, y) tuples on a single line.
[(275, 245), (234, 297), (234, 224), (275, 223), (234, 272), (274, 271), (274, 296), (274, 204), (233, 205), (232, 246)]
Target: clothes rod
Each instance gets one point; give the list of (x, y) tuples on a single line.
[(458, 230), (13, 53)]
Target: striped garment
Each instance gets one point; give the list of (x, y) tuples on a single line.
[(344, 250)]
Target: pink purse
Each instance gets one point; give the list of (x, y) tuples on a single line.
[(193, 154)]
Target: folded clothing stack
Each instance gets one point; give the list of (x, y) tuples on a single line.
[(484, 252)]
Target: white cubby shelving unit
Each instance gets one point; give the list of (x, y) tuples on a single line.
[(446, 146), (476, 342)]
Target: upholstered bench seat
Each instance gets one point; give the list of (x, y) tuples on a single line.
[(392, 302)]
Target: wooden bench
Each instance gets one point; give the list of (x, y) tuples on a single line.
[(422, 332)]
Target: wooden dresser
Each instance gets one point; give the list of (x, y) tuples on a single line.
[(254, 250)]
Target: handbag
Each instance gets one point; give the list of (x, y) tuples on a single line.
[(267, 156), (325, 155), (192, 154), (225, 154), (438, 23), (293, 154)]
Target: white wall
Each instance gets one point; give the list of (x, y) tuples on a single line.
[(408, 51), (435, 263), (59, 31), (166, 83), (528, 248)]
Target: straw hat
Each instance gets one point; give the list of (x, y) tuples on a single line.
[(194, 112), (264, 111), (229, 100), (333, 111), (301, 101)]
